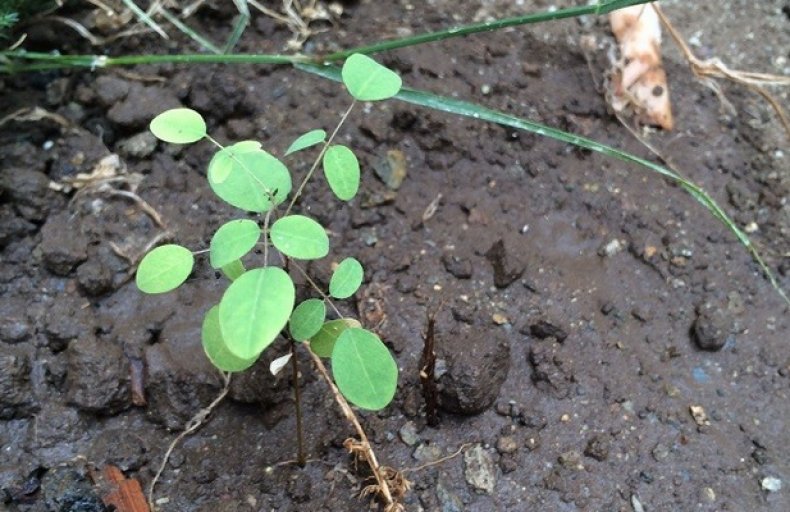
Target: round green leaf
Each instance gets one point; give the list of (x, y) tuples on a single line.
[(367, 80), (179, 126), (323, 342), (307, 319), (364, 369), (300, 237), (250, 179), (306, 140), (341, 169), (164, 269), (233, 240), (254, 309), (215, 348), (346, 279), (221, 164)]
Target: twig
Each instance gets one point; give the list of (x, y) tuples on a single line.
[(366, 450), (441, 460), (705, 69), (191, 426)]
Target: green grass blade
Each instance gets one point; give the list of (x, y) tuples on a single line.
[(472, 110), (487, 26), (183, 27)]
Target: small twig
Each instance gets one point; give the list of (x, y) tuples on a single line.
[(191, 426), (441, 460), (366, 450), (428, 370), (704, 69), (143, 204), (317, 288), (301, 458)]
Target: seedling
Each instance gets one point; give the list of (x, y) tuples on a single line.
[(259, 302)]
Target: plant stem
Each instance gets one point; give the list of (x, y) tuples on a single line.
[(319, 157), (370, 456), (300, 453)]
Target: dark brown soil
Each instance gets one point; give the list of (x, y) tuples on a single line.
[(603, 342)]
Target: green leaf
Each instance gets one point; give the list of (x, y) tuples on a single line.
[(164, 269), (179, 126), (306, 140), (323, 342), (364, 369), (367, 80), (233, 240), (346, 278), (300, 237), (341, 169), (254, 309), (221, 164), (233, 270), (249, 178), (307, 319), (215, 348)]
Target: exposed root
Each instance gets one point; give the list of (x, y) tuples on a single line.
[(707, 70), (441, 460), (389, 484), (192, 425)]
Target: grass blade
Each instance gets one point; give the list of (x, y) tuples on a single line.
[(472, 110)]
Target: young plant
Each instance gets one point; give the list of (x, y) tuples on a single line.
[(259, 302)]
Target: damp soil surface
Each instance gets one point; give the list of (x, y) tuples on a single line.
[(603, 342)]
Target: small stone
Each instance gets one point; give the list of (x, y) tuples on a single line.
[(610, 248), (408, 433), (506, 445), (110, 89), (713, 326), (16, 394), (137, 146), (532, 441), (543, 329), (571, 460), (427, 453), (479, 469), (771, 484), (708, 494), (598, 447), (507, 268), (460, 268), (499, 319), (391, 169), (699, 415), (660, 452)]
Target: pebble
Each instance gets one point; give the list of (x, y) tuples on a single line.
[(571, 460), (137, 146), (506, 444), (598, 447), (479, 469), (408, 433), (660, 452), (391, 169), (460, 268), (708, 495), (713, 326), (771, 484)]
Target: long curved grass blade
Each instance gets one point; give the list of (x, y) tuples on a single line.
[(468, 109)]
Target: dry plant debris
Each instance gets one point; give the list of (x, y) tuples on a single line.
[(639, 82)]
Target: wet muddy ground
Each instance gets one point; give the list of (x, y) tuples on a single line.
[(604, 343)]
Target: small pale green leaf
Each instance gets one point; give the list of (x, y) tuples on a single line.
[(307, 319), (179, 126), (248, 178), (364, 370), (300, 237), (222, 163), (233, 240), (346, 279), (323, 342), (254, 309), (306, 140), (367, 80), (341, 169), (215, 348), (233, 270), (164, 269)]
